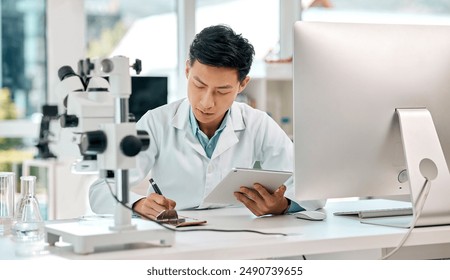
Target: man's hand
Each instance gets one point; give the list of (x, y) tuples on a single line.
[(261, 202), (152, 205)]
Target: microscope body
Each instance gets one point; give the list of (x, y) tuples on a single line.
[(90, 110), (97, 114)]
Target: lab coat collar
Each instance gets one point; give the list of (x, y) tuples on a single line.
[(181, 118), (228, 138), (181, 121), (236, 118)]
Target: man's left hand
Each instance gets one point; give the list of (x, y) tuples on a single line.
[(261, 202)]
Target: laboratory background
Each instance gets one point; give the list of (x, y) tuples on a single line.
[(40, 36)]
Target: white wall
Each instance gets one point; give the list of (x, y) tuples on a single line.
[(66, 45), (65, 39)]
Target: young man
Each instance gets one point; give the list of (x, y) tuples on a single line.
[(195, 142)]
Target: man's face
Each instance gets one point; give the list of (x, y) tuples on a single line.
[(211, 92)]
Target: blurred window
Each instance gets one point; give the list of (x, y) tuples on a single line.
[(138, 29), (412, 11), (256, 20), (23, 74)]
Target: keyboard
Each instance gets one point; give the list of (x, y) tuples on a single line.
[(377, 213)]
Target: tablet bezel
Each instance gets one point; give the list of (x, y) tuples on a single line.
[(223, 193)]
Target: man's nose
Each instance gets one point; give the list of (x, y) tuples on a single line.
[(207, 100)]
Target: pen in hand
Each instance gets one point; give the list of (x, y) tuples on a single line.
[(169, 215), (155, 187)]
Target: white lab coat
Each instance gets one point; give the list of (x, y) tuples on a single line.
[(180, 167)]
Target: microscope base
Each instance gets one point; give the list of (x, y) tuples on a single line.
[(85, 235)]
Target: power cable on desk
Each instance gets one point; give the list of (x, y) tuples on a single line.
[(422, 197), (190, 230)]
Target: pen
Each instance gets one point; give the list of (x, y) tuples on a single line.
[(155, 187)]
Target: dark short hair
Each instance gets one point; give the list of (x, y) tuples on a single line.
[(220, 46)]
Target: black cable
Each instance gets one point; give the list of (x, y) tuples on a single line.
[(189, 230)]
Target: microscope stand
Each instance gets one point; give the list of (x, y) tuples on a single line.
[(87, 234)]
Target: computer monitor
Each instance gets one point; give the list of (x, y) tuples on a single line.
[(349, 79), (147, 92)]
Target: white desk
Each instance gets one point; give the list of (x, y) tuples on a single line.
[(325, 239)]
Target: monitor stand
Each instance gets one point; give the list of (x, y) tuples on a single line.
[(424, 159)]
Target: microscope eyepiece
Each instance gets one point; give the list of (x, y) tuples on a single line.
[(65, 71)]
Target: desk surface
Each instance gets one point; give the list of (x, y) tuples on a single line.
[(333, 235)]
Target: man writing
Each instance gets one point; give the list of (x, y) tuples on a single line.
[(195, 142)]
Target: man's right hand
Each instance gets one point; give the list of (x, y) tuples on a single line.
[(152, 205)]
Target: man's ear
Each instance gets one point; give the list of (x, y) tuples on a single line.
[(244, 83), (188, 67)]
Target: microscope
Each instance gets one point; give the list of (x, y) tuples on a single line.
[(97, 112), (87, 104)]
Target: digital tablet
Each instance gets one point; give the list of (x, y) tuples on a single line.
[(223, 193)]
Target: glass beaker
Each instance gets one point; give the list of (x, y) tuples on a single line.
[(28, 223), (7, 182)]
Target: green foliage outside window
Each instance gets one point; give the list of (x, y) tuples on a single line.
[(7, 112), (9, 152)]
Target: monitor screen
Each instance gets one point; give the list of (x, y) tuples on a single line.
[(147, 93), (349, 79)]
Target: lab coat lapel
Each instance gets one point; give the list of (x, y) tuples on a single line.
[(193, 142), (228, 138), (181, 121)]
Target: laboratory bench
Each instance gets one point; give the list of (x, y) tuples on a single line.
[(336, 237)]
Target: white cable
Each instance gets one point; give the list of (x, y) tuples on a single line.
[(422, 197)]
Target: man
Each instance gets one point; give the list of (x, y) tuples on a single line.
[(195, 142)]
